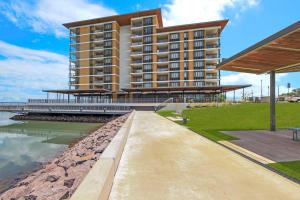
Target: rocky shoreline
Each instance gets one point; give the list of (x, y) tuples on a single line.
[(58, 179), (65, 118)]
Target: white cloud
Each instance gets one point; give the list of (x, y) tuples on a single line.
[(255, 81), (25, 72), (47, 16), (191, 11)]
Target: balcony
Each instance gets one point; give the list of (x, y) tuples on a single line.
[(162, 41), (211, 56), (211, 35), (212, 46), (137, 71), (137, 61), (210, 67), (137, 80), (136, 52), (162, 60)]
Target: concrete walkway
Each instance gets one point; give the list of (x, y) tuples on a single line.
[(165, 161)]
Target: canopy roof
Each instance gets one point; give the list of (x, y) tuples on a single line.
[(205, 89), (78, 91), (279, 52)]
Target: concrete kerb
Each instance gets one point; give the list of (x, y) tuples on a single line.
[(98, 182)]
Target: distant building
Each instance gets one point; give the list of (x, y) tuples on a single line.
[(135, 56)]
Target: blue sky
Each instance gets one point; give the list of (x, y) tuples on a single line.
[(34, 44)]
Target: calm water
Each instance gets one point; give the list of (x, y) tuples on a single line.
[(25, 145)]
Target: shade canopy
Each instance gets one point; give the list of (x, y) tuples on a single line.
[(205, 89), (78, 91), (279, 52)]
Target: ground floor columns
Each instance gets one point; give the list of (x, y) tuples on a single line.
[(272, 102)]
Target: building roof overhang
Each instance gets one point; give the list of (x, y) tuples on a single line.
[(279, 52), (78, 91), (123, 20), (194, 89), (220, 23)]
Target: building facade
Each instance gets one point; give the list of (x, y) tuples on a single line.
[(134, 54)]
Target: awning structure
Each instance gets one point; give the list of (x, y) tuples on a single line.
[(206, 89), (279, 53), (79, 91)]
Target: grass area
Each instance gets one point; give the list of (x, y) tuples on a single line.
[(209, 121), (291, 169)]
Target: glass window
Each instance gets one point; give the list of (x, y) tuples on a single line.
[(108, 35), (186, 65), (174, 75), (186, 35), (198, 44), (107, 52), (147, 39), (108, 44), (147, 68), (186, 45), (186, 75), (147, 21), (198, 64), (108, 27), (198, 83), (148, 49), (198, 34), (148, 30), (198, 74), (174, 56), (174, 46), (174, 36), (174, 84), (147, 85), (198, 54), (174, 66), (186, 55), (107, 61), (147, 58)]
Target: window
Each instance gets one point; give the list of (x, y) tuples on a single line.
[(147, 68), (147, 39), (198, 83), (198, 34), (174, 56), (198, 44), (107, 52), (107, 70), (147, 85), (174, 46), (198, 54), (147, 58), (198, 75), (148, 49), (186, 45), (108, 27), (186, 35), (107, 61), (174, 75), (147, 21), (108, 86), (148, 30), (174, 84), (107, 79), (186, 55), (147, 77), (108, 35), (174, 36), (186, 65), (198, 64), (186, 75), (108, 44), (174, 66)]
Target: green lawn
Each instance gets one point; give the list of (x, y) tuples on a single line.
[(291, 169), (209, 121)]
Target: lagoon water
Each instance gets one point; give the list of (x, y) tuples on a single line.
[(25, 145)]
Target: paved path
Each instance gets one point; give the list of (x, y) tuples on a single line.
[(165, 161), (277, 146)]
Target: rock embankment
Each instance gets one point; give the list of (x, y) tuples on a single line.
[(58, 179)]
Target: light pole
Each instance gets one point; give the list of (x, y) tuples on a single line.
[(261, 93)]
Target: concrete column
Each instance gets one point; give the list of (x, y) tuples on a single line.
[(272, 102)]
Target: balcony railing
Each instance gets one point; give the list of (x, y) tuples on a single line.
[(211, 35)]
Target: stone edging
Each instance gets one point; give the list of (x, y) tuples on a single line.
[(98, 182)]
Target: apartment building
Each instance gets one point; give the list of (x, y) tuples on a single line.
[(134, 55)]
